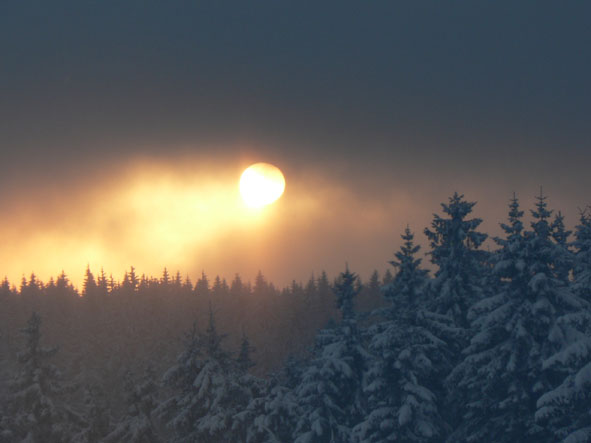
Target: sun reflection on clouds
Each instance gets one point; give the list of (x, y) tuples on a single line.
[(187, 214), (151, 216)]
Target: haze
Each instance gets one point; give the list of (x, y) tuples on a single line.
[(123, 132)]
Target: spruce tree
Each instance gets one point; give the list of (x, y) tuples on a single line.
[(89, 288), (582, 259), (138, 425), (102, 283), (130, 281), (402, 378), (515, 331), (179, 410), (271, 417), (330, 392), (565, 409), (236, 288), (563, 260), (208, 391), (217, 290), (244, 359), (454, 244), (202, 286), (188, 285), (165, 279), (325, 297), (36, 404), (97, 420)]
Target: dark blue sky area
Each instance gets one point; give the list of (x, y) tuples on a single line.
[(464, 85)]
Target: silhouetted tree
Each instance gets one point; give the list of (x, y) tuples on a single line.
[(202, 286), (165, 279), (244, 357), (237, 288), (89, 288)]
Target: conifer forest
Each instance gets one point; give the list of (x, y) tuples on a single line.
[(470, 339)]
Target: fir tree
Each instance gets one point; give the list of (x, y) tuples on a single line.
[(188, 285), (310, 290), (102, 283), (563, 260), (244, 357), (236, 288), (36, 403), (454, 249), (165, 279), (5, 289), (330, 392), (272, 417), (371, 294), (401, 381), (130, 281), (388, 277), (516, 329), (209, 391), (98, 418), (324, 294), (202, 286), (217, 289), (90, 287), (112, 284), (565, 409), (138, 425), (261, 287), (177, 281), (180, 411), (582, 259)]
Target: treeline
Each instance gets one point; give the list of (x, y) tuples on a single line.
[(141, 312), (495, 346)]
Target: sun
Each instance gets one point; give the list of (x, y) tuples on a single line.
[(261, 184)]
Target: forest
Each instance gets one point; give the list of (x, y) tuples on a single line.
[(491, 342)]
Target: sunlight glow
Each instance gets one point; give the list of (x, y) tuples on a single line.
[(149, 216), (261, 184)]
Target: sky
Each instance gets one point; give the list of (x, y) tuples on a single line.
[(124, 127)]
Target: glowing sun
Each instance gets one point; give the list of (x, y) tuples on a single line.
[(261, 184)]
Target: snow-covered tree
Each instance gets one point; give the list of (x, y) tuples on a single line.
[(5, 433), (582, 260), (272, 416), (563, 260), (98, 417), (139, 424), (36, 405), (209, 391), (330, 389), (454, 244), (566, 408), (403, 373), (180, 410), (516, 329)]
